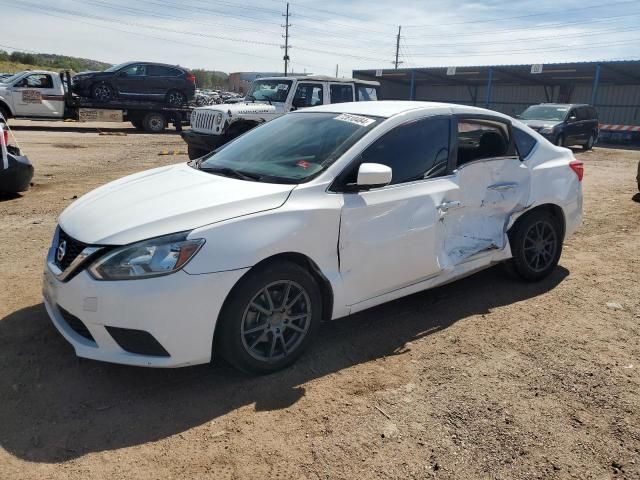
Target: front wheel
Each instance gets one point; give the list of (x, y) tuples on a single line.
[(269, 319), (536, 245), (102, 92)]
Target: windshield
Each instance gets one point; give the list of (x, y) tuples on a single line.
[(11, 78), (292, 148), (116, 67), (273, 90), (545, 112)]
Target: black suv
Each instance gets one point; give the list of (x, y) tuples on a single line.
[(564, 124), (138, 80)]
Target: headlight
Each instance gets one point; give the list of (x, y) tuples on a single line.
[(218, 118), (149, 258), (547, 130)]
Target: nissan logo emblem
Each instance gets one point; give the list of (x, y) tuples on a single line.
[(62, 250)]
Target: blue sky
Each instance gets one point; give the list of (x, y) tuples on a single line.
[(237, 35)]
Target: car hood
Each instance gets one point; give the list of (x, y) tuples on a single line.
[(541, 123), (241, 108), (162, 201)]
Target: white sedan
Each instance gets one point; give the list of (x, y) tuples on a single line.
[(313, 216)]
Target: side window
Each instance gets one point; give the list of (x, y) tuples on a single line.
[(524, 142), (366, 94), (414, 151), (160, 71), (135, 70), (478, 140), (37, 80), (341, 93), (583, 113), (573, 113), (308, 95)]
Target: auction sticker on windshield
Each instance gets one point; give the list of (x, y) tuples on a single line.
[(357, 119)]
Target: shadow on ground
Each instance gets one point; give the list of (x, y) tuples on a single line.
[(55, 407)]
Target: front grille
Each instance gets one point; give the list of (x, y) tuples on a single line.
[(71, 251), (76, 324), (203, 120), (137, 341)]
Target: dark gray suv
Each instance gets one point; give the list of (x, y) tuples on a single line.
[(564, 124)]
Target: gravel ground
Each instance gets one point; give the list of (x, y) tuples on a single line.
[(484, 378)]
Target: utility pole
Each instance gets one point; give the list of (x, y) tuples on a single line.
[(397, 62), (286, 41), (336, 70)]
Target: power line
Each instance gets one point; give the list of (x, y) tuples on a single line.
[(554, 12)]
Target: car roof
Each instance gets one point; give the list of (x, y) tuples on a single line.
[(323, 78), (390, 108), (568, 105)]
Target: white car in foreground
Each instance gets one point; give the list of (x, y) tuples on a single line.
[(313, 216)]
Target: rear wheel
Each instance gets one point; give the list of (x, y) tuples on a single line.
[(590, 142), (176, 98), (102, 92), (154, 122), (269, 319), (536, 245)]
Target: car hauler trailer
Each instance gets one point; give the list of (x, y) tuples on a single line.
[(45, 95)]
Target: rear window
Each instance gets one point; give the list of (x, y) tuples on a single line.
[(524, 142), (160, 71), (366, 94)]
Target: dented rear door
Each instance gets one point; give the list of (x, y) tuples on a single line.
[(475, 216)]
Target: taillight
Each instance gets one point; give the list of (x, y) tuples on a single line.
[(5, 135), (578, 167), (191, 78)]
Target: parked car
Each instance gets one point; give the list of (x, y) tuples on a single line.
[(269, 98), (564, 124), (139, 80), (16, 171), (316, 215)]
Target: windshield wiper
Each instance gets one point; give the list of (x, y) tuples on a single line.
[(230, 172)]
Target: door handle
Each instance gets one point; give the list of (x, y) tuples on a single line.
[(502, 186), (446, 206)]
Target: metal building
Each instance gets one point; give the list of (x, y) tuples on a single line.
[(613, 87)]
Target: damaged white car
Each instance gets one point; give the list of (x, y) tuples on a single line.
[(313, 216)]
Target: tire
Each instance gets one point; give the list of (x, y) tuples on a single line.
[(252, 335), (195, 152), (536, 245), (590, 142), (176, 98), (154, 122), (102, 92), (4, 113)]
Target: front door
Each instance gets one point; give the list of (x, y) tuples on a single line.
[(132, 81), (36, 96), (492, 183), (389, 235)]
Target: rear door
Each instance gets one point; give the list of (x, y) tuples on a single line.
[(37, 95), (492, 183)]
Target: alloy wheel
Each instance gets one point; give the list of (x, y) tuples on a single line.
[(102, 92), (276, 321), (540, 244)]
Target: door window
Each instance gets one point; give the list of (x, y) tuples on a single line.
[(160, 71), (524, 142), (366, 94), (341, 93), (308, 95), (135, 70), (479, 140), (583, 113), (36, 80), (414, 151)]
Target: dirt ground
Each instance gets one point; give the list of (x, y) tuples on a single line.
[(484, 378)]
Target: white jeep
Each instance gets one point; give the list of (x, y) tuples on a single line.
[(268, 98)]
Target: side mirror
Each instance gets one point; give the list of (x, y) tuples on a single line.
[(123, 74), (299, 102), (572, 118), (371, 175)]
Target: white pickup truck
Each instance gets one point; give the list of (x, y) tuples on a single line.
[(44, 95), (268, 98)]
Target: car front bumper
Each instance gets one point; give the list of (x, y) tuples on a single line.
[(203, 141), (179, 311), (17, 177)]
